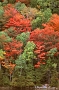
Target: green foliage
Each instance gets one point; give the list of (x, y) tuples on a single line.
[(8, 39), (40, 76), (25, 74), (22, 81), (11, 32), (18, 82), (41, 17), (11, 1), (44, 4), (8, 1), (36, 23), (54, 81), (24, 64), (37, 76), (29, 81), (1, 78), (33, 3), (23, 37), (20, 64), (6, 80), (27, 56), (1, 11), (5, 2), (54, 65), (54, 6), (0, 3), (48, 63), (19, 6), (47, 14), (28, 51), (52, 52), (4, 36), (2, 54)]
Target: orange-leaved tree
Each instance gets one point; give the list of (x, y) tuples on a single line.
[(20, 23), (13, 49), (53, 23), (9, 11), (45, 39), (40, 48)]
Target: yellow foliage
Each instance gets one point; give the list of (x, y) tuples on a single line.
[(2, 53)]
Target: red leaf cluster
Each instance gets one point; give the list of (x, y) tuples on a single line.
[(13, 49), (20, 23), (38, 64), (9, 11), (46, 36), (40, 48), (40, 52)]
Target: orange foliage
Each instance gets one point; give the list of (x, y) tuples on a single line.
[(39, 51), (9, 11), (9, 66), (19, 23), (44, 39), (13, 49), (53, 23)]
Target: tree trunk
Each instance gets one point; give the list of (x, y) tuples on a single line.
[(0, 66)]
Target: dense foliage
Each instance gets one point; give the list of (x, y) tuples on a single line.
[(29, 42)]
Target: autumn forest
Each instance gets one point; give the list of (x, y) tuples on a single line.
[(29, 42)]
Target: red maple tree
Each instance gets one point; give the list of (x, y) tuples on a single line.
[(45, 39), (40, 48), (20, 23), (13, 49)]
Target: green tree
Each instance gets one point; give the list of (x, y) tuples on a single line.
[(24, 64), (19, 6), (41, 17), (23, 37)]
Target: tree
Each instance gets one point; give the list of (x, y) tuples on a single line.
[(54, 22), (24, 37), (20, 23), (41, 17), (24, 65), (13, 49), (39, 50), (9, 11), (47, 38), (26, 57), (19, 6)]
